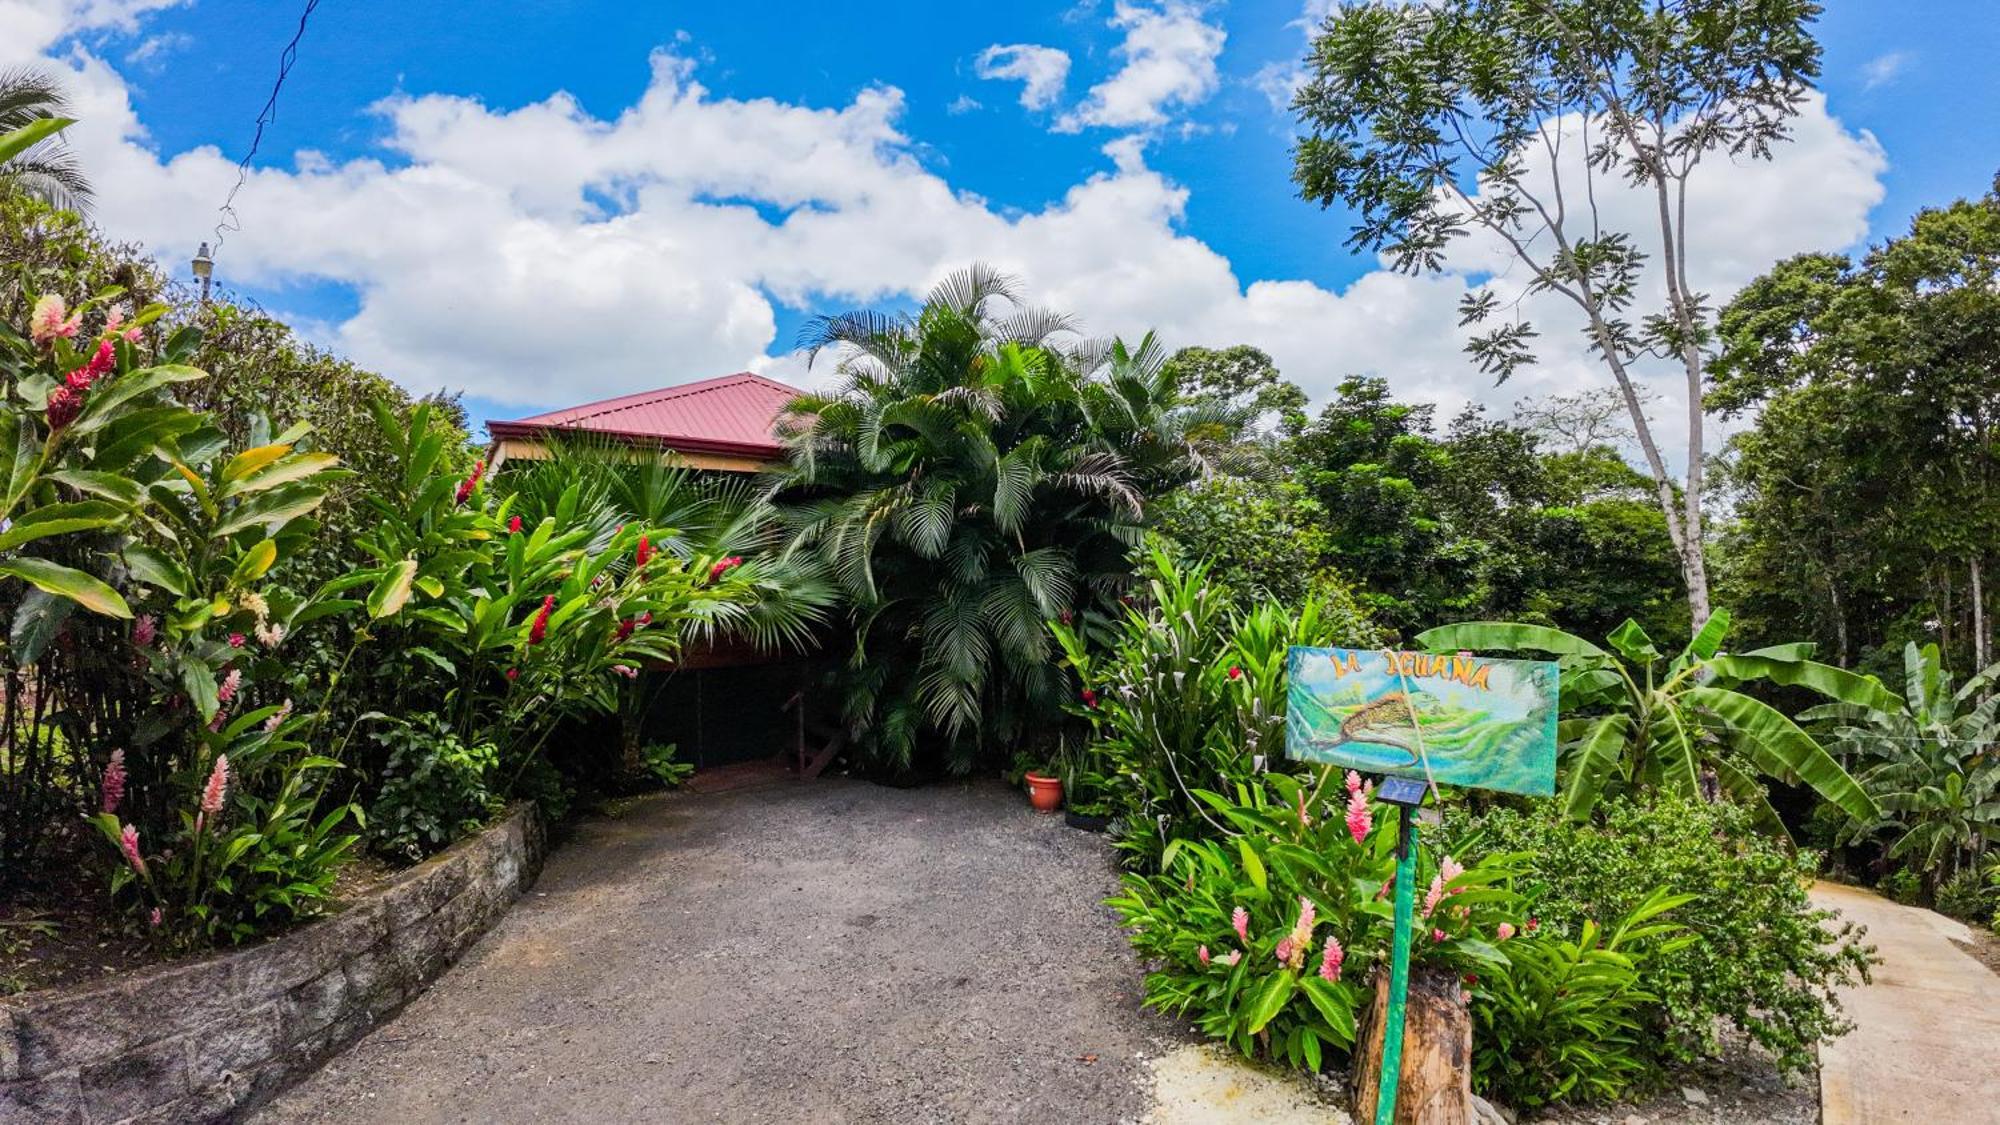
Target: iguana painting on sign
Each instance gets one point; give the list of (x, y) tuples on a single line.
[(1490, 724)]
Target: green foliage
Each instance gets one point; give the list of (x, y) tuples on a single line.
[(1643, 722), (34, 162), (970, 479), (1564, 1018), (1762, 957), (1970, 896), (1927, 759), (435, 787), (661, 767), (1864, 492), (1304, 884), (1184, 692)]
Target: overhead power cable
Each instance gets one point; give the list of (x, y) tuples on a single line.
[(228, 220)]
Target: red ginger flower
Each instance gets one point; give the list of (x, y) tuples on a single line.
[(1089, 697), (1235, 673), (645, 552), (113, 788), (625, 628), (64, 405), (514, 525), (513, 674), (724, 567), (466, 486), (101, 363), (540, 628)]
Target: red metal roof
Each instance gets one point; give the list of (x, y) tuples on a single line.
[(731, 414)]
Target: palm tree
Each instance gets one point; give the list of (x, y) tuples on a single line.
[(33, 159), (979, 470)]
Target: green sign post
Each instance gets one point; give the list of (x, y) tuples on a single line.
[(1420, 719)]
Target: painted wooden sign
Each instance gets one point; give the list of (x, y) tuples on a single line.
[(1489, 724)]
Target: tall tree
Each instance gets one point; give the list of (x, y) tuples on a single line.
[(33, 159), (1869, 489), (1515, 118)]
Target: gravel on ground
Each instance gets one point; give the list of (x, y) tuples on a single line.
[(822, 951)]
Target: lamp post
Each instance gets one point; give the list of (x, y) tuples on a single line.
[(204, 268)]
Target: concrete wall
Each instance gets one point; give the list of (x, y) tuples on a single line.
[(204, 1040)]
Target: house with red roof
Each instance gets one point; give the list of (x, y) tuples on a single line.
[(727, 423)]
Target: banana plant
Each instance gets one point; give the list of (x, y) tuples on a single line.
[(1930, 761), (1641, 720)]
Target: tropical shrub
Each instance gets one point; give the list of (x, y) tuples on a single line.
[(435, 787), (1641, 721), (661, 767), (1761, 956), (1267, 938), (972, 477), (1927, 760), (1182, 693), (1563, 1018)]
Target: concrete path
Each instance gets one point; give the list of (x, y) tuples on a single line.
[(829, 951), (1926, 1046)]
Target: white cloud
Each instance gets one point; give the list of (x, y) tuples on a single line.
[(1040, 70), (964, 103), (1884, 69), (1169, 54), (481, 260)]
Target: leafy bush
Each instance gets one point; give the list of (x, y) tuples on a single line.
[(1903, 885), (661, 767), (435, 787), (1762, 957), (1185, 693), (1267, 940), (1968, 896), (1564, 1018)]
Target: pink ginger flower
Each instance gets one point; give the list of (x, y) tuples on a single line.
[(1307, 913), (155, 917), (236, 640), (1359, 819), (101, 362), (1231, 957), (1504, 931), (1202, 954), (52, 319), (270, 634), (213, 794), (1285, 950), (113, 788), (1434, 895), (626, 671), (128, 842), (215, 724), (1353, 782), (278, 717), (144, 629), (1330, 959), (1451, 869), (1241, 920), (226, 690), (1534, 924), (1437, 935), (115, 319)]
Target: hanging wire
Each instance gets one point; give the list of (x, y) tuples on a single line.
[(228, 220)]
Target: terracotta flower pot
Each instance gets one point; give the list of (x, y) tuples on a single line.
[(1045, 793)]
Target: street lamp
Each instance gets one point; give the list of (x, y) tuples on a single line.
[(204, 268)]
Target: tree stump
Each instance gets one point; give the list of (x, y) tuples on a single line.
[(1437, 1052)]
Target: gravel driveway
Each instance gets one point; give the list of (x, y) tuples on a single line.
[(819, 951)]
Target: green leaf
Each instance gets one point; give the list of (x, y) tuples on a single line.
[(1835, 683), (13, 144), (111, 486), (37, 620), (1596, 758), (1506, 636), (1334, 1004), (59, 519), (255, 562), (272, 510), (1252, 866), (1632, 643), (392, 590), (1783, 745), (299, 466), (103, 404), (251, 460), (1271, 999), (200, 684), (153, 567), (86, 591)]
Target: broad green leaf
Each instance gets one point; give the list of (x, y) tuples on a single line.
[(1595, 761), (272, 510), (1335, 1005), (1252, 866), (1787, 746), (1506, 636), (298, 466), (37, 620), (153, 567), (86, 591), (111, 486), (1271, 999), (1632, 643), (59, 519), (1832, 682), (103, 403), (392, 590), (200, 684)]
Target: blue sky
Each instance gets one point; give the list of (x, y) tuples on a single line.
[(1210, 172)]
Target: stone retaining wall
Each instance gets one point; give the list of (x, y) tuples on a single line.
[(202, 1041)]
